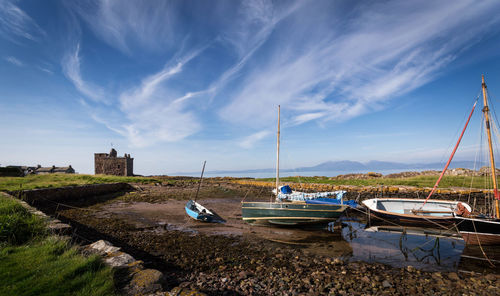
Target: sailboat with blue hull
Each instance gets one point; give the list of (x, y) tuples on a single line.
[(199, 212)]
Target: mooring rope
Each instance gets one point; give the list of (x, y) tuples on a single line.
[(480, 246)]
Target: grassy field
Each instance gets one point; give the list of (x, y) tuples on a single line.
[(33, 263), (417, 181), (60, 180)]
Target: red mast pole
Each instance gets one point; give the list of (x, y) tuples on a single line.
[(452, 154)]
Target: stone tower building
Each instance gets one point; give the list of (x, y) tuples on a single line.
[(111, 164)]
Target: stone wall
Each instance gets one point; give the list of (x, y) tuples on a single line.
[(70, 192)]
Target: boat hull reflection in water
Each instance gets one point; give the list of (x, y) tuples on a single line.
[(404, 246)]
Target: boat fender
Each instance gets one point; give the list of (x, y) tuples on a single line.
[(462, 210)]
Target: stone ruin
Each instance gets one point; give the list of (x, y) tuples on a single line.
[(112, 164)]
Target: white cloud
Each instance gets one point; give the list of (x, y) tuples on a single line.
[(45, 70), (14, 61), (303, 118), (254, 27), (15, 23), (249, 141), (313, 60), (126, 24), (71, 68), (155, 112), (337, 69)]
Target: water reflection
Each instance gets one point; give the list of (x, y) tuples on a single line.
[(402, 246), (423, 248)]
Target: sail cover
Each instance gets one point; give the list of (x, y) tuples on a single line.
[(286, 189)]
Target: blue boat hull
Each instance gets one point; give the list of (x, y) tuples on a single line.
[(194, 213)]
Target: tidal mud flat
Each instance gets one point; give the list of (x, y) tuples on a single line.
[(239, 259)]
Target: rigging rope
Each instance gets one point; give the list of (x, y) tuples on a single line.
[(452, 154)]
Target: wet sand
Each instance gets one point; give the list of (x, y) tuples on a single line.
[(172, 216)]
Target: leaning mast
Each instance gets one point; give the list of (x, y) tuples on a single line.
[(490, 145)]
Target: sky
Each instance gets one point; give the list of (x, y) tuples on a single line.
[(174, 83)]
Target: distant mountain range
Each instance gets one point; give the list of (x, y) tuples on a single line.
[(348, 166), (374, 165)]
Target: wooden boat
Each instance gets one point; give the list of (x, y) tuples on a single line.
[(291, 213), (420, 212), (199, 212), (483, 229), (479, 230), (405, 211)]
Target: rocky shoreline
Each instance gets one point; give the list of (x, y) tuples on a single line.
[(249, 265), (222, 265)]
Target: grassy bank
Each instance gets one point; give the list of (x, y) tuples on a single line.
[(61, 180), (34, 263), (417, 181)]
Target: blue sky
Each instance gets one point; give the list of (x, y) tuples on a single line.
[(174, 83)]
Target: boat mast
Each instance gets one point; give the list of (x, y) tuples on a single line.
[(492, 158), (201, 179), (278, 155)]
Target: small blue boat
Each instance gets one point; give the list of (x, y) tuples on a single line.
[(200, 213)]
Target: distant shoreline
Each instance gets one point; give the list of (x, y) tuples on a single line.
[(331, 174)]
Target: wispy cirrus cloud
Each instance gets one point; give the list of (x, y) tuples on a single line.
[(15, 23), (337, 69), (148, 113), (48, 71), (249, 141), (14, 61), (155, 112), (71, 69), (254, 25), (320, 65), (126, 24)]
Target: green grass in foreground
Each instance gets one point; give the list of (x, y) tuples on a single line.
[(417, 181), (61, 180), (32, 263), (17, 225), (51, 267)]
